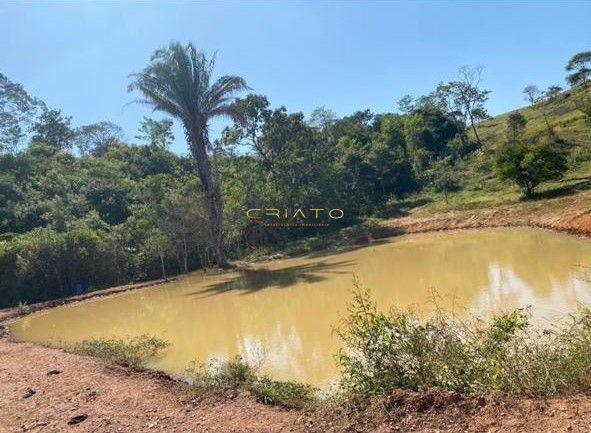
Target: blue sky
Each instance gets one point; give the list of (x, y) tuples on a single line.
[(347, 55)]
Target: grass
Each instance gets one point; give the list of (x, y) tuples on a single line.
[(387, 351), (569, 123), (134, 352), (238, 374), (287, 394), (23, 308)]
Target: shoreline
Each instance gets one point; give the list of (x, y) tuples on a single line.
[(570, 215)]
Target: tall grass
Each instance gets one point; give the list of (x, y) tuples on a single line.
[(397, 349)]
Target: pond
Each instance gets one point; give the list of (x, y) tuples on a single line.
[(284, 312)]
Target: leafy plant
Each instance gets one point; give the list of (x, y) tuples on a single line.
[(23, 308), (385, 351), (285, 394), (133, 353), (530, 165), (238, 374)]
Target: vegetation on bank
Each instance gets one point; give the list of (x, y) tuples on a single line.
[(134, 352), (213, 376), (384, 352), (238, 374), (387, 351), (84, 209)]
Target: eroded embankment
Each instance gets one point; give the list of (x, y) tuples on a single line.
[(569, 214)]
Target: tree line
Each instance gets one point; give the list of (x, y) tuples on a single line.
[(82, 209)]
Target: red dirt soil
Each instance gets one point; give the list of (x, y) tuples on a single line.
[(116, 399), (570, 214)]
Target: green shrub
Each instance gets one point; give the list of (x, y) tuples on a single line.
[(362, 232), (579, 155), (398, 350), (529, 165), (134, 352), (285, 394), (238, 374), (234, 373)]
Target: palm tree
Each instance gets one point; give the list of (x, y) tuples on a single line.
[(178, 82)]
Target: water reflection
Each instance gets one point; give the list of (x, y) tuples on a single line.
[(257, 278), (285, 311)]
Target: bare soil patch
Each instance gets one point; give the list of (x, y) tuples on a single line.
[(570, 214)]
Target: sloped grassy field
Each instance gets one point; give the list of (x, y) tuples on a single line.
[(481, 187)]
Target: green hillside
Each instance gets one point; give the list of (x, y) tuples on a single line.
[(481, 186), (570, 124)]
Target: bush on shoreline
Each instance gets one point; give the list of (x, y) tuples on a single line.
[(238, 374), (386, 351), (133, 353)]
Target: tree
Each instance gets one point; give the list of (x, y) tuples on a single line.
[(247, 130), (552, 92), (515, 126), (98, 138), (322, 118), (580, 67), (388, 160), (53, 129), (427, 132), (582, 101), (178, 82), (532, 94), (156, 132), (406, 104), (530, 165), (17, 110), (156, 243), (464, 99), (444, 177)]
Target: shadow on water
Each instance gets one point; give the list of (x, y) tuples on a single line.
[(252, 280)]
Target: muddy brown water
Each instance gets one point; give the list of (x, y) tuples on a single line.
[(283, 313)]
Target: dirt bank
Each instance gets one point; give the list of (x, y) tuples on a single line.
[(570, 214), (42, 389), (61, 386), (114, 399)]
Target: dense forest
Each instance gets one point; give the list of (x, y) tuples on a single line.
[(82, 209)]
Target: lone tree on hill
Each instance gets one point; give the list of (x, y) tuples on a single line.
[(532, 93), (579, 67), (178, 81), (515, 126), (530, 165)]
